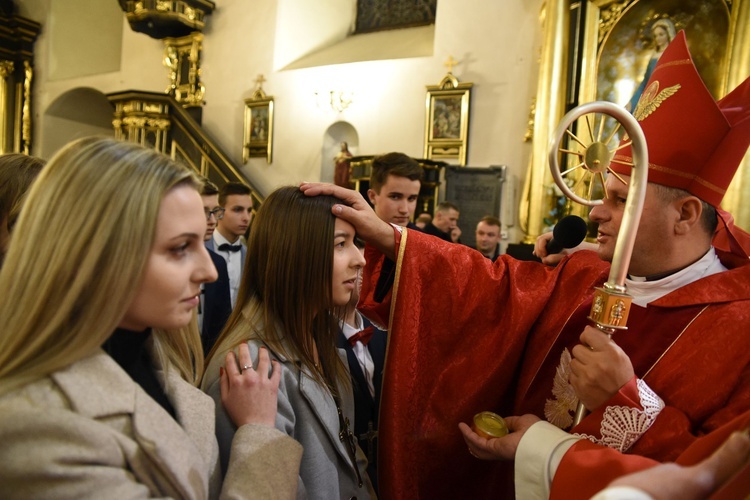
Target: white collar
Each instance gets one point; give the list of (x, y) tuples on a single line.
[(645, 292), (349, 330), (220, 239)]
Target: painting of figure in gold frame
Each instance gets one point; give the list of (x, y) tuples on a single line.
[(447, 120), (258, 127), (630, 49), (618, 40)]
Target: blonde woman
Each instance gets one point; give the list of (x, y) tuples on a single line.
[(99, 350), (302, 264)]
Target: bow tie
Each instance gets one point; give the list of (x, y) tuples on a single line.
[(230, 248), (363, 336)]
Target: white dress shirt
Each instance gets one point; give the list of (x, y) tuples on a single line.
[(234, 264)]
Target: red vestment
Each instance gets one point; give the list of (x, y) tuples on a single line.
[(467, 335), (588, 468)]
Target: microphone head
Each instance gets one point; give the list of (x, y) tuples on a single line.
[(570, 231)]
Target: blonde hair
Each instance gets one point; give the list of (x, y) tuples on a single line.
[(78, 255), (286, 298)]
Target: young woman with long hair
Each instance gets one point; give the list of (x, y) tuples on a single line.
[(301, 266), (99, 348)]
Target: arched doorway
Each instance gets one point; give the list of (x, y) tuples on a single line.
[(336, 134), (77, 113)]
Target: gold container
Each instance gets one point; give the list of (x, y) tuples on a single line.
[(489, 425)]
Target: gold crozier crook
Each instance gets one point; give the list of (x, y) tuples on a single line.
[(611, 303)]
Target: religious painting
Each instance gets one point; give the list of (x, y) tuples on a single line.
[(446, 117), (447, 120), (631, 36), (258, 129), (629, 51)]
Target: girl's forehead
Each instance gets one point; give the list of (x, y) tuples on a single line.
[(343, 226)]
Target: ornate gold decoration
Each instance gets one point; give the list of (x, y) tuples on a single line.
[(601, 16), (182, 58), (258, 124), (550, 106), (143, 122), (559, 410), (609, 16), (6, 71), (447, 118), (652, 99), (529, 135), (449, 63), (610, 309), (167, 18), (26, 108), (6, 68)]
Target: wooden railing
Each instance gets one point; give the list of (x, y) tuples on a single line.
[(158, 121)]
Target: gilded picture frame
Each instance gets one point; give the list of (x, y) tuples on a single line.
[(718, 35), (574, 35), (258, 127), (447, 108), (623, 47)]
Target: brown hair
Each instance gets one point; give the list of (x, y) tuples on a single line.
[(445, 206), (285, 299), (208, 188), (231, 188), (491, 221), (17, 172), (397, 164)]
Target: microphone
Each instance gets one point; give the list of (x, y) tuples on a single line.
[(569, 232)]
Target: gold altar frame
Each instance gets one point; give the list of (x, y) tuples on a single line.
[(569, 66), (603, 17), (258, 128), (447, 120)]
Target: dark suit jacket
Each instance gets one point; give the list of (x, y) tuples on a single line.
[(216, 303), (434, 231), (365, 406)]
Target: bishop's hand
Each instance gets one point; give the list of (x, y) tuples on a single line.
[(503, 448), (599, 368), (356, 211)]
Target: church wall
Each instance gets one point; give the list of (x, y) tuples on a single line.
[(497, 45)]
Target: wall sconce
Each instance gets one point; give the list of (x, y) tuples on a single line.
[(337, 100)]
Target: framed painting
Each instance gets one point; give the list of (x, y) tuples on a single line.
[(258, 127), (631, 36), (447, 120), (601, 49), (621, 42)]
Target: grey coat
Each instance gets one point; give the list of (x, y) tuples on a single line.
[(306, 412), (90, 431)]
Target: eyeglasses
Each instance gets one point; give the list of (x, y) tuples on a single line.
[(217, 212)]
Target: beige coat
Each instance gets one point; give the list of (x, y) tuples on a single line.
[(90, 431)]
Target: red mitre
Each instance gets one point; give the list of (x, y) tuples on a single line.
[(694, 143)]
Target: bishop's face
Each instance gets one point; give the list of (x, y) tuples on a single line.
[(655, 241)]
